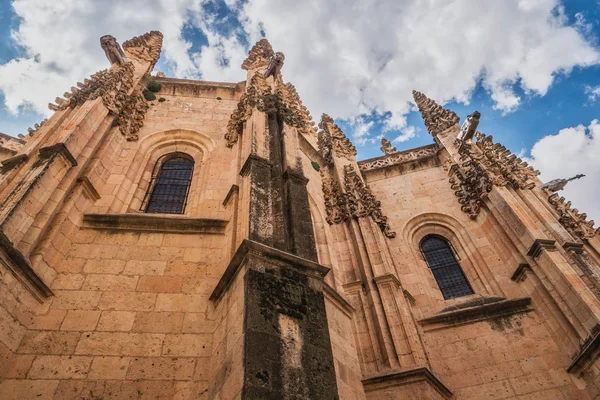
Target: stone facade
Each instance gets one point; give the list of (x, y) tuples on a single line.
[(293, 271)]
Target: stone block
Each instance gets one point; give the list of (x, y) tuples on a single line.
[(109, 368), (160, 284), (110, 283), (161, 368), (116, 321), (120, 344), (187, 345), (125, 301), (49, 342), (60, 367), (20, 389), (84, 320), (158, 322), (75, 300)]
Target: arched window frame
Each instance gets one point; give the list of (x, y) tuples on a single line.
[(156, 171), (455, 267)]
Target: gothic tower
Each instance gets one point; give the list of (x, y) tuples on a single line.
[(181, 239)]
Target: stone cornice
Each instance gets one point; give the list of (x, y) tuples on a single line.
[(10, 163), (154, 223), (89, 188), (193, 84), (539, 245), (60, 149), (250, 248), (18, 264), (235, 189), (253, 158), (486, 309), (404, 377), (338, 300), (520, 272), (401, 157), (587, 354)]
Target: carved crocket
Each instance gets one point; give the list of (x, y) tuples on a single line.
[(113, 50), (469, 127), (275, 65)]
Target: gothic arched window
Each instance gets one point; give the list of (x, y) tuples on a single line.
[(170, 184), (446, 270)]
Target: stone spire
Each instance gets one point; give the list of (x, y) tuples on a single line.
[(259, 55), (437, 119)]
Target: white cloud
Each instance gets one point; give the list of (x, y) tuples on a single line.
[(593, 92), (406, 134), (570, 152), (346, 57)]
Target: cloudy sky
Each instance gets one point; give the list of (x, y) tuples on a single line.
[(531, 67)]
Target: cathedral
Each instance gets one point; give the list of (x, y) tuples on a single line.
[(166, 238)]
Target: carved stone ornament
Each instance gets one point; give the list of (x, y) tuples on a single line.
[(146, 47), (113, 85), (332, 141), (131, 118), (335, 201), (437, 119), (470, 182), (361, 202), (113, 50), (399, 158), (284, 101), (259, 55), (386, 146), (574, 222), (504, 166), (469, 127)]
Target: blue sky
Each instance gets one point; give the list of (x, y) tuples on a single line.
[(529, 66)]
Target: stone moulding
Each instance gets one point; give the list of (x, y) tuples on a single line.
[(338, 300), (540, 244), (589, 352), (494, 308), (252, 248), (404, 377), (398, 158), (520, 272), (10, 163), (154, 223), (18, 264)]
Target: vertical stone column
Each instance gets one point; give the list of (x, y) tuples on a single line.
[(286, 344)]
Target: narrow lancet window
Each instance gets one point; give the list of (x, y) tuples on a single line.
[(446, 270), (170, 184)]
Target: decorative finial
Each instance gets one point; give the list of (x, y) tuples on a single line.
[(386, 147), (559, 184), (113, 50), (437, 119), (469, 127), (259, 55), (275, 65)]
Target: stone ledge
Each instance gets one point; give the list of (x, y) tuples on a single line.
[(479, 312), (405, 377), (248, 247), (234, 190), (12, 162), (519, 274), (20, 267), (590, 350), (154, 223), (338, 300), (540, 244)]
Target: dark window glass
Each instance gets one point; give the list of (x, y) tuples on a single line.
[(446, 270), (170, 185)]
